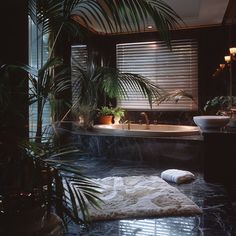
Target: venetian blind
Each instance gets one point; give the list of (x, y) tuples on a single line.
[(175, 69), (79, 59)]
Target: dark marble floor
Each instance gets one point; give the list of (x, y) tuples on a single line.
[(217, 201)]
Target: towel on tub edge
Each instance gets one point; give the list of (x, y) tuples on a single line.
[(177, 176)]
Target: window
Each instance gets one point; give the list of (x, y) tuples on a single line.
[(79, 58), (38, 55), (169, 69)]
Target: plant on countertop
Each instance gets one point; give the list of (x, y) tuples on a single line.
[(111, 111), (105, 111), (219, 103)]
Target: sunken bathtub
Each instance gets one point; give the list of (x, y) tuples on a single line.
[(143, 130), (154, 143)]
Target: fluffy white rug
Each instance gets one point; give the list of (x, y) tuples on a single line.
[(141, 196)]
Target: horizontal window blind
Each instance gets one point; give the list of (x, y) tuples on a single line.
[(79, 58), (175, 69)]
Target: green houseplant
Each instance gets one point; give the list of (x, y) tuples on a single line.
[(99, 84), (34, 180), (219, 103), (105, 115)]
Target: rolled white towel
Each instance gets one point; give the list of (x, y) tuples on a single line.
[(177, 176)]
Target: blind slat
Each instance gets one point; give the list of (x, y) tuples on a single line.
[(169, 69)]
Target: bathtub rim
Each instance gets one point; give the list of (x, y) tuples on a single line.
[(147, 133)]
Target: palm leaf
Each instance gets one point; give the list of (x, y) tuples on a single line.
[(124, 15), (175, 95), (109, 16)]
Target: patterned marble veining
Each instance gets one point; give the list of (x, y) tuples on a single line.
[(217, 201), (184, 149)]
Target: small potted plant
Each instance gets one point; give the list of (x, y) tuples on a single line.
[(219, 104), (105, 115)]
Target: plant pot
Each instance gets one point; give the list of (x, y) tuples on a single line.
[(116, 120), (105, 120)]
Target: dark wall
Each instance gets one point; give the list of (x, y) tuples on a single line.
[(14, 50), (14, 32)]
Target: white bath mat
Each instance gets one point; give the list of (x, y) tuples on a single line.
[(141, 196)]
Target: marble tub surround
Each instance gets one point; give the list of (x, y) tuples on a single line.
[(217, 202), (185, 150)]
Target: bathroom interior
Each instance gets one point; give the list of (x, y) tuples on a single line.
[(137, 147)]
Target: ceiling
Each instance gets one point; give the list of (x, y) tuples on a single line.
[(194, 13), (199, 13)]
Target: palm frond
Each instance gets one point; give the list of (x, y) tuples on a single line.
[(113, 16), (52, 14), (70, 191), (175, 95)]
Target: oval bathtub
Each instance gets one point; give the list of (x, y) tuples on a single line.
[(144, 130)]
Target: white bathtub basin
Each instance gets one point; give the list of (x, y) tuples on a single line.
[(147, 130), (211, 122)]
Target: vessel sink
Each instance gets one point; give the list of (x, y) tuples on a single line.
[(211, 122)]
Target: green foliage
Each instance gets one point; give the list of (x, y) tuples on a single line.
[(109, 16), (174, 95), (95, 81), (66, 190), (106, 111), (111, 111), (219, 103), (46, 83), (118, 112)]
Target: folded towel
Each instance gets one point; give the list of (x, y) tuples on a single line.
[(177, 176)]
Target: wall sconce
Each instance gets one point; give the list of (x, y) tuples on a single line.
[(233, 52), (227, 59), (222, 66)]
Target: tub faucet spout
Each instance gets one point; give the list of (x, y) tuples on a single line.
[(145, 116)]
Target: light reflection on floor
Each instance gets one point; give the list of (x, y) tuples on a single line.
[(164, 226)]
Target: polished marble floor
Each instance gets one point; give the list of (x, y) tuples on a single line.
[(217, 201)]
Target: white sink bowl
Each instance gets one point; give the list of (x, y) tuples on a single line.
[(211, 122)]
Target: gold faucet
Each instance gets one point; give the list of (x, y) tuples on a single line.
[(128, 122), (145, 116)]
